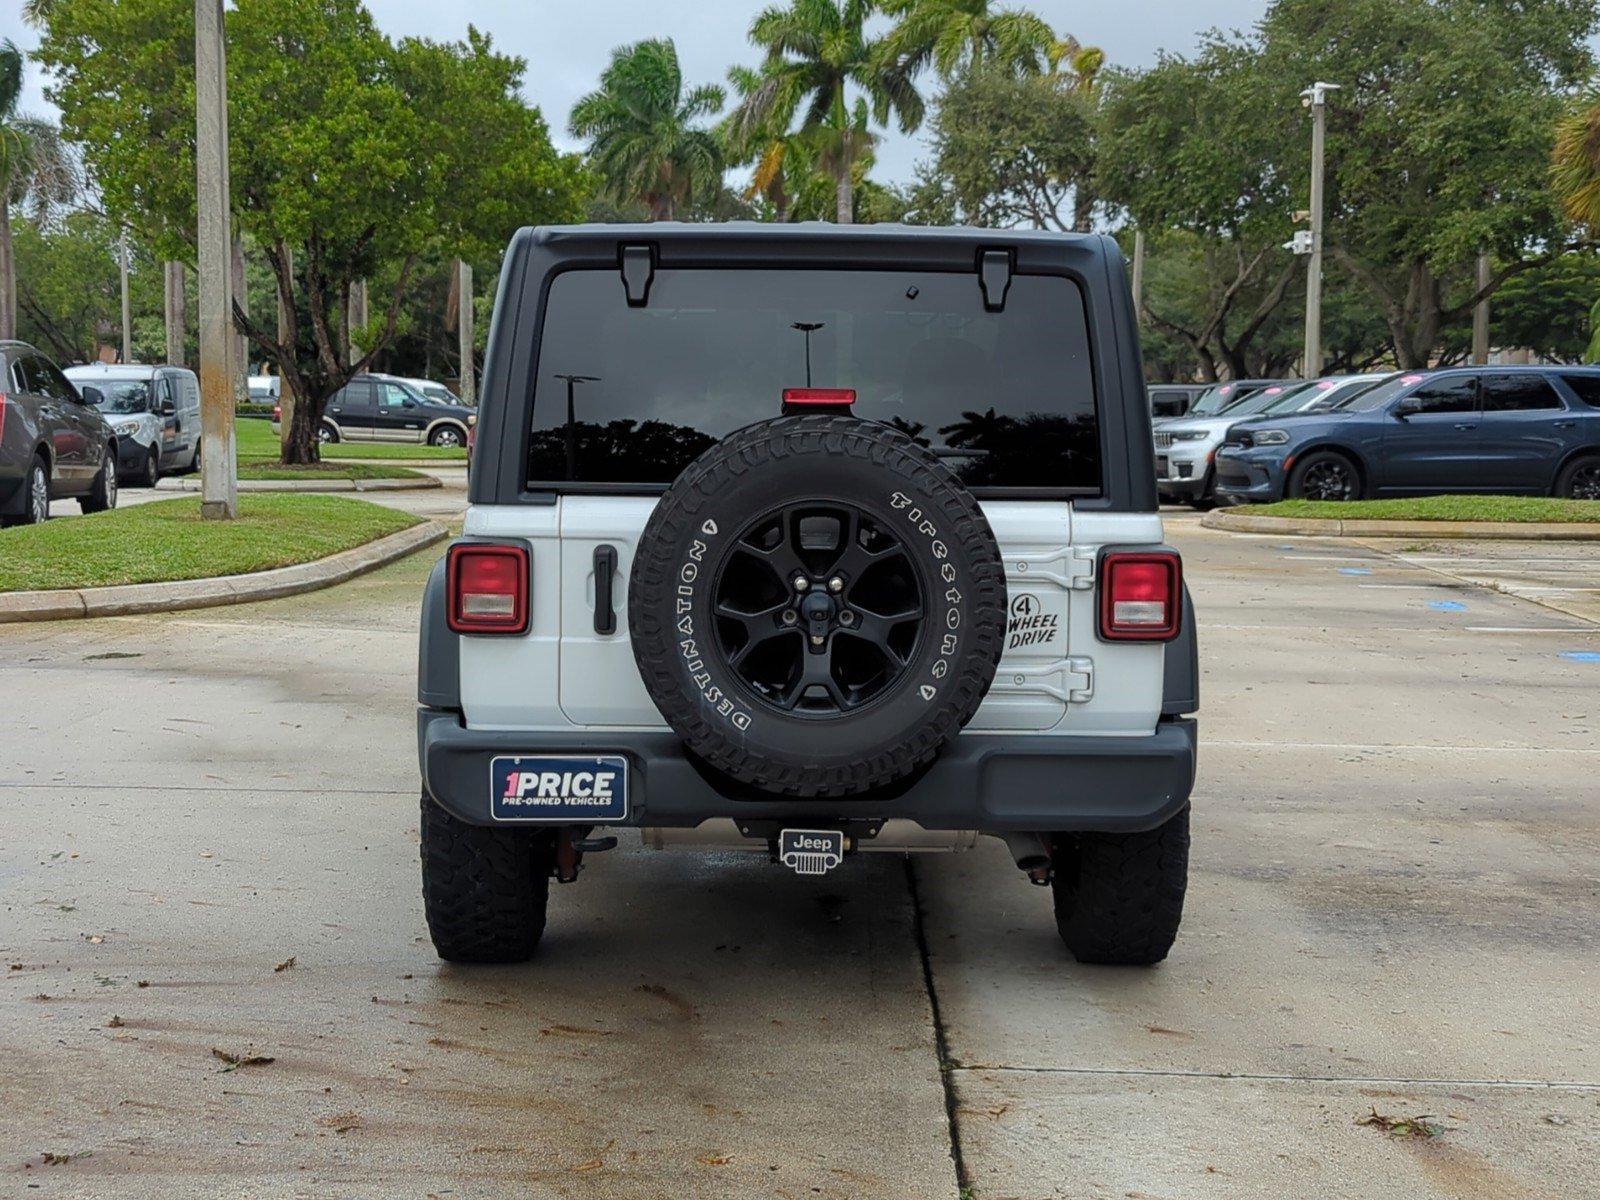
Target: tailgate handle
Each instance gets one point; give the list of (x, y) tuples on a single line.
[(605, 574)]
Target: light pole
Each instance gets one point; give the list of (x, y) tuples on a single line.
[(572, 416), (1138, 276), (808, 328), (464, 332), (127, 310), (219, 498), (1315, 98)]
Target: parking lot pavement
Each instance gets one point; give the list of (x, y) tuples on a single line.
[(1562, 576), (1396, 870), (1393, 905)]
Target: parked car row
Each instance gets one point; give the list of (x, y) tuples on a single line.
[(1529, 430), (1519, 430)]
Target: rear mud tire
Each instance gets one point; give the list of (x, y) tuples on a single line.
[(484, 890), (1119, 896)]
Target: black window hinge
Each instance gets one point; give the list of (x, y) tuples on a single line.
[(638, 264), (994, 277)]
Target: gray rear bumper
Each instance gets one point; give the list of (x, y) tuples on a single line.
[(990, 782)]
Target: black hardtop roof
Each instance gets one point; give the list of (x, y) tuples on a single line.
[(815, 244)]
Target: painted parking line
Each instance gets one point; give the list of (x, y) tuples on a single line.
[(1592, 630), (1447, 605), (1421, 587), (1582, 655), (1355, 570), (1410, 747)]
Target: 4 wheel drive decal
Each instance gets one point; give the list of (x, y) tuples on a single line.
[(688, 646), (949, 642)]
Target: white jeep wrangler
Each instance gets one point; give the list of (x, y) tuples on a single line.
[(814, 540)]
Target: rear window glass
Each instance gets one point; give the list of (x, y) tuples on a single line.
[(632, 395), (1586, 386)]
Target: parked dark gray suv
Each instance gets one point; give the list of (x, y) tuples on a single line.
[(53, 441)]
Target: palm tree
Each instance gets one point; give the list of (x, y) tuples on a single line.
[(951, 34), (816, 49), (641, 129), (780, 158), (1575, 162), (34, 165)]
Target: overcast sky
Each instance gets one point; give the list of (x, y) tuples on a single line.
[(567, 44)]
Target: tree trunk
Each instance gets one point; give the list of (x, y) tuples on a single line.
[(8, 278), (300, 443), (846, 196)]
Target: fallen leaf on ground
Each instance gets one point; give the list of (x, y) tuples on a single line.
[(52, 1159), (235, 1061), (715, 1160), (114, 1023), (342, 1122), (1419, 1126), (589, 1164), (285, 964), (95, 938)]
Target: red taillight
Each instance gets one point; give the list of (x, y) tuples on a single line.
[(819, 396), (1141, 595), (486, 588)]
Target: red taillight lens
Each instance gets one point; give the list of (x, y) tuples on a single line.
[(1141, 596), (819, 396), (486, 588)]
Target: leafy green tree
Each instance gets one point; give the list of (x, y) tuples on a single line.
[(34, 169), (817, 51), (1012, 150), (950, 35), (642, 131), (1190, 146), (1439, 142), (351, 154)]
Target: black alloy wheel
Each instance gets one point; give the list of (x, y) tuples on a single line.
[(1329, 477), (819, 608), (1583, 481)]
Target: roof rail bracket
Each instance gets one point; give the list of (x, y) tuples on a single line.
[(638, 271), (994, 276)]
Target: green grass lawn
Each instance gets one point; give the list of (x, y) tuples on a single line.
[(167, 540), (256, 440), (1436, 508), (271, 468)]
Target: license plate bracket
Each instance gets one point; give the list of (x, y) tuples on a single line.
[(561, 789)]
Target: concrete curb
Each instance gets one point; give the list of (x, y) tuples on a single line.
[(1492, 531), (421, 483), (180, 594)]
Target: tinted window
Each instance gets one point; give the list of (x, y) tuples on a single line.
[(49, 380), (357, 394), (1518, 393), (1457, 394), (22, 375), (1587, 387), (1214, 400), (633, 395)]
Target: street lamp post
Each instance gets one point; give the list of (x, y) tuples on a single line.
[(572, 416), (1315, 98), (808, 328)]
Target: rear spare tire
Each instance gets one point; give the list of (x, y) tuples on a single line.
[(817, 606)]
